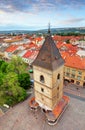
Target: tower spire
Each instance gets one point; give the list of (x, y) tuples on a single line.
[(49, 28)]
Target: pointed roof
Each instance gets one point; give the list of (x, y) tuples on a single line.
[(49, 56)]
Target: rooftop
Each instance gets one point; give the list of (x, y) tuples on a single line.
[(75, 61), (11, 48), (49, 56)]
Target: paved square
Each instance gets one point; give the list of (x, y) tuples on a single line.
[(20, 117)]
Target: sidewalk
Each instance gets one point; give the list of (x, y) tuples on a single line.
[(75, 90)]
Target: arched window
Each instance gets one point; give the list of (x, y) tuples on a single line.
[(42, 79), (58, 76)]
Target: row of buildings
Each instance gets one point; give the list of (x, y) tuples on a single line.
[(27, 47)]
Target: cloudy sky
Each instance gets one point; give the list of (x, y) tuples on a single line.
[(36, 14)]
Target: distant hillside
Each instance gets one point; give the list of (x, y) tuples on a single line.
[(80, 30), (64, 30)]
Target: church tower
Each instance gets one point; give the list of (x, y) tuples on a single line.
[(48, 75)]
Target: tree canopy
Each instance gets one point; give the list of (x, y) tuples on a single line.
[(16, 65), (13, 81), (24, 80)]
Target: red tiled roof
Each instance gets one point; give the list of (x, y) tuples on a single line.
[(38, 38), (64, 38), (26, 45), (75, 61), (60, 106), (34, 54), (11, 48), (32, 45), (28, 54)]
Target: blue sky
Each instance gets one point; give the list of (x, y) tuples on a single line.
[(36, 14)]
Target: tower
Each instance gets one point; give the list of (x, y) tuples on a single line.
[(48, 75)]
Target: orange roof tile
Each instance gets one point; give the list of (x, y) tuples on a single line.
[(32, 45), (75, 61), (28, 54), (11, 48), (60, 106), (33, 103), (34, 54)]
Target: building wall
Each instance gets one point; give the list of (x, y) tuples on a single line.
[(49, 92), (74, 75), (57, 85), (47, 76)]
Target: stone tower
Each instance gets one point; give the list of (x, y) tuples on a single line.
[(48, 75)]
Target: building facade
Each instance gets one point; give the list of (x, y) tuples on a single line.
[(74, 75)]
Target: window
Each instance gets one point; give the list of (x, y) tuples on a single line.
[(84, 84), (72, 75), (42, 79), (42, 89), (79, 77), (68, 74), (84, 77), (73, 71), (68, 69), (79, 72), (77, 82), (58, 76)]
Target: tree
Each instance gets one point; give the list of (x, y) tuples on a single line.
[(10, 90), (24, 80), (1, 78), (1, 62), (16, 65), (4, 66)]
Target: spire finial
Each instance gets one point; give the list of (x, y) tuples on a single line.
[(49, 28)]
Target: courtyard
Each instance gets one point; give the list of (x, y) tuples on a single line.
[(20, 117)]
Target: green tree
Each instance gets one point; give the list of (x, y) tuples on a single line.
[(1, 62), (10, 90), (16, 65), (1, 78), (4, 66), (24, 80)]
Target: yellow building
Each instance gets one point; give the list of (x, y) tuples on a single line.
[(48, 75), (74, 70)]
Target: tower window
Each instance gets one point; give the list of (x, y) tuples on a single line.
[(58, 76), (42, 89), (42, 79)]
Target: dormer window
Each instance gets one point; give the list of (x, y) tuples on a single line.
[(42, 79)]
